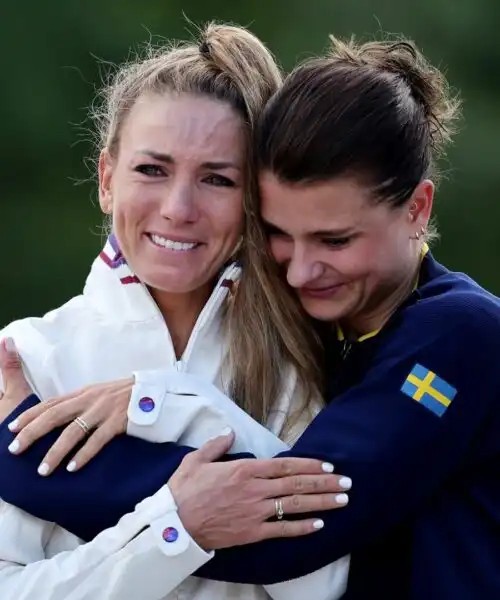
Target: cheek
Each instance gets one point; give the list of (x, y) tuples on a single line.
[(354, 262), (226, 218)]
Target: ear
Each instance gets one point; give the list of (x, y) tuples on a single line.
[(105, 182), (420, 205)]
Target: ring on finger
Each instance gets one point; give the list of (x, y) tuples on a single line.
[(278, 506), (83, 425)]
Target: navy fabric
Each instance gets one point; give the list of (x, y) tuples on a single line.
[(423, 519)]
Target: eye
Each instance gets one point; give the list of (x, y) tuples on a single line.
[(149, 170), (219, 180), (336, 242)]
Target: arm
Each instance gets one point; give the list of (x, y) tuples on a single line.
[(175, 418), (388, 443), (114, 565)]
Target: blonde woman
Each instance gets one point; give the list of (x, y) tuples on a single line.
[(167, 294)]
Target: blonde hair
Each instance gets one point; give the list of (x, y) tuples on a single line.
[(230, 64)]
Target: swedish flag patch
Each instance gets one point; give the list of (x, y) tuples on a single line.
[(426, 387)]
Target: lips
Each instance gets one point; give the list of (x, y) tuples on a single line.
[(321, 292)]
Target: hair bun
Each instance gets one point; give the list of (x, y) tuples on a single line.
[(205, 49)]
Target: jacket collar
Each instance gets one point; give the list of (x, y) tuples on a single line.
[(115, 292)]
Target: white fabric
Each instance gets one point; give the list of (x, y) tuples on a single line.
[(107, 333)]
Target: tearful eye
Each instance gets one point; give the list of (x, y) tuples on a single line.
[(149, 170), (219, 180)]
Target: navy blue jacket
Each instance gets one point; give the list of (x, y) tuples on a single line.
[(413, 417)]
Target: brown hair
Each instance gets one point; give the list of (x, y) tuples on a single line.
[(376, 110), (230, 64)]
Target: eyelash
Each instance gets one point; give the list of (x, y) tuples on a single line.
[(336, 242), (151, 170)]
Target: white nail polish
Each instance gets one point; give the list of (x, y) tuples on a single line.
[(10, 345), (327, 467), (345, 483), (13, 424), (341, 498), (43, 469), (226, 431), (14, 447), (71, 466), (319, 524)]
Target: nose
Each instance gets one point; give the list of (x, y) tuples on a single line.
[(179, 203), (302, 269)]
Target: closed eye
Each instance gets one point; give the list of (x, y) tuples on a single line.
[(150, 170), (336, 242), (219, 180)]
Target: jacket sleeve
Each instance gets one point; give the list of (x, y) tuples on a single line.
[(396, 435), (192, 420), (128, 561)]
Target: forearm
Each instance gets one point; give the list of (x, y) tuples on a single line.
[(114, 565)]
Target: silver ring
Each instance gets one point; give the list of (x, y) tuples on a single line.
[(278, 507), (83, 425)]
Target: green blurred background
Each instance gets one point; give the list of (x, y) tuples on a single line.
[(51, 226)]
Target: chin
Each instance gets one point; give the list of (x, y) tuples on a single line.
[(324, 310)]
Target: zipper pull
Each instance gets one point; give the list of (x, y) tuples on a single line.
[(179, 366), (346, 348)]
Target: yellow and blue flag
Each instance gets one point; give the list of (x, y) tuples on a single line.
[(431, 391)]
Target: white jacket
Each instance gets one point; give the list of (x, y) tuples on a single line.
[(113, 329)]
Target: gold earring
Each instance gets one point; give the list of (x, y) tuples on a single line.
[(416, 235)]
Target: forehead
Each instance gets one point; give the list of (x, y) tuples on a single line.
[(302, 208), (195, 127)]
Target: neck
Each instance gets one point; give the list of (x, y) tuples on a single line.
[(384, 305), (180, 312)]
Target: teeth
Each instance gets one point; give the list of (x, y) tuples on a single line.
[(170, 244)]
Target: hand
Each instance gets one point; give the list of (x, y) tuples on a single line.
[(15, 384), (224, 504), (103, 407)]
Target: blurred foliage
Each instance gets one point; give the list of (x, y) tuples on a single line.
[(53, 56)]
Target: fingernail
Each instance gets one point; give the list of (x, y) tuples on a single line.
[(13, 425), (319, 524), (71, 466), (345, 483), (226, 431), (43, 469), (14, 447), (341, 498), (327, 467), (10, 346)]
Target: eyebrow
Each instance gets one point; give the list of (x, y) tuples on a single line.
[(169, 159), (334, 233)]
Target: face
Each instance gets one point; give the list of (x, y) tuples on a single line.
[(175, 189), (342, 253)]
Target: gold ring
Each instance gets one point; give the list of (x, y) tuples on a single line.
[(278, 507), (83, 425)]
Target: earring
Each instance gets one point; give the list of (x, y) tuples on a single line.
[(416, 235)]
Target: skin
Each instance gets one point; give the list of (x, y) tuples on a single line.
[(178, 173), (349, 259)]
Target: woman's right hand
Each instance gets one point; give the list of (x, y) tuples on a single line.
[(224, 504)]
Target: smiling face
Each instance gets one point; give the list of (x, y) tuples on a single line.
[(175, 189), (344, 254)]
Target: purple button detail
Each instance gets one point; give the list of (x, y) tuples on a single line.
[(170, 534), (146, 404)]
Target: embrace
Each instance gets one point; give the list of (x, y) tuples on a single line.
[(269, 387)]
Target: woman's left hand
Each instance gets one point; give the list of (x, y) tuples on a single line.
[(97, 412)]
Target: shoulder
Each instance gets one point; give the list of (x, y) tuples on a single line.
[(455, 305), (36, 331), (36, 338)]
